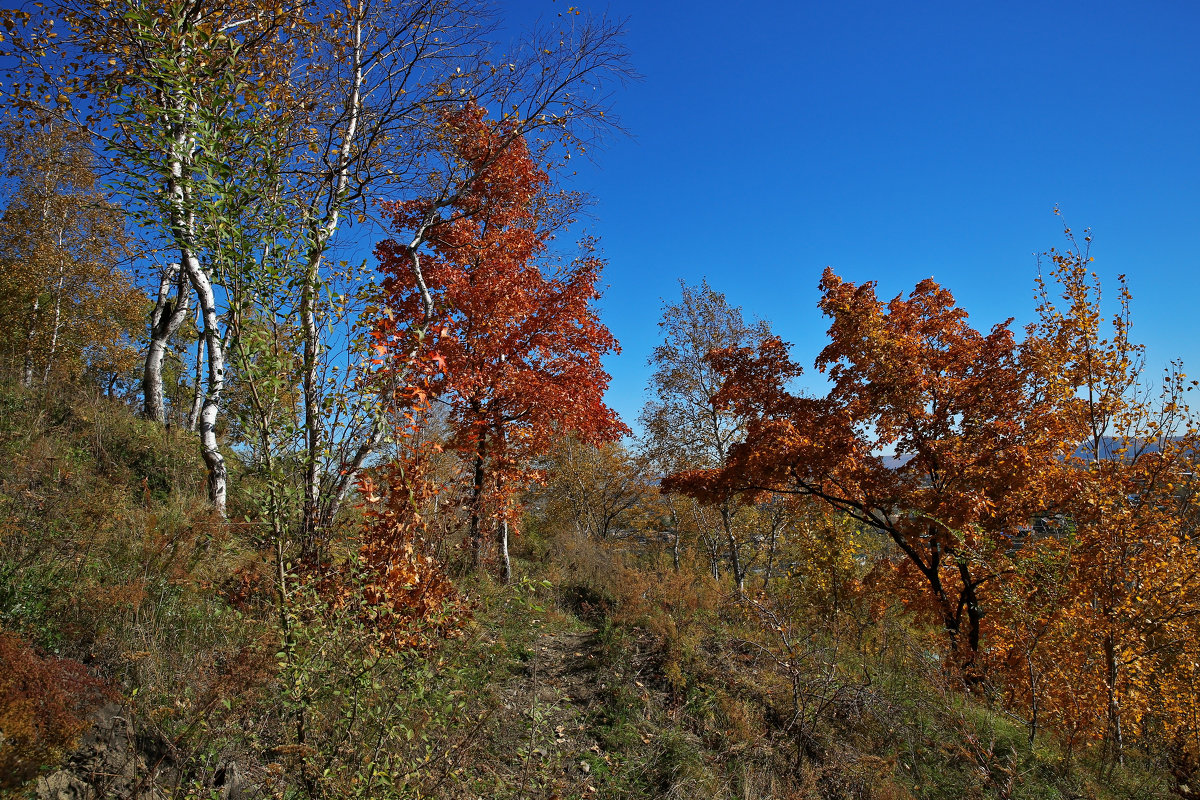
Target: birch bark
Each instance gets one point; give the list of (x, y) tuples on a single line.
[(183, 229), (321, 232), (56, 325), (193, 419), (30, 336), (218, 477), (165, 321)]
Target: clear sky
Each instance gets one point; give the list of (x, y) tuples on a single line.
[(896, 141)]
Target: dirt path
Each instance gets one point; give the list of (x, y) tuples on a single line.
[(546, 709)]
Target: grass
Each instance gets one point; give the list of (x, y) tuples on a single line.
[(601, 673)]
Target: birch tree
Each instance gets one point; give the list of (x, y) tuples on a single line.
[(170, 310), (390, 82), (164, 90), (686, 428), (67, 307), (247, 152)]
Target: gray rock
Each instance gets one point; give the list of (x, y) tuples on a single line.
[(63, 785), (110, 762)]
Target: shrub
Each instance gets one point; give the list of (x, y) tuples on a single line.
[(43, 705)]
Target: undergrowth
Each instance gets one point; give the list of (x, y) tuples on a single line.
[(601, 672)]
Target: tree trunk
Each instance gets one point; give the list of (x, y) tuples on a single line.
[(1115, 735), (30, 335), (313, 429), (968, 600), (477, 540), (767, 575), (56, 325), (183, 231), (322, 229), (505, 561), (218, 477), (165, 319), (193, 419), (735, 561)]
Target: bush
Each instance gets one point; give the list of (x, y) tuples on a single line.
[(43, 705)]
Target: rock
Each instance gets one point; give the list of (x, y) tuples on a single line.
[(110, 762), (234, 782), (62, 785)]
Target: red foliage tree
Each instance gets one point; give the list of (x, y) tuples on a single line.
[(517, 345), (978, 439), (1041, 493), (410, 598)]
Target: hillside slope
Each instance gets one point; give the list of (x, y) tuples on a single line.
[(143, 640)]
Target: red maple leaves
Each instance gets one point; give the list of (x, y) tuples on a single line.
[(516, 345)]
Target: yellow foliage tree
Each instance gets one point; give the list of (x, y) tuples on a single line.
[(67, 309), (1102, 615)]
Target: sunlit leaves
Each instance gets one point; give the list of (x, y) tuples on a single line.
[(1039, 490), (68, 308), (516, 345)]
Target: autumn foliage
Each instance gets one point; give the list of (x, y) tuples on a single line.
[(405, 589), (67, 308), (912, 379), (516, 340), (1101, 618), (1037, 489), (43, 705)]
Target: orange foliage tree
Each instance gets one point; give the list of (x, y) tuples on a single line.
[(67, 308), (518, 344), (1040, 492), (407, 592), (1101, 623), (930, 435)]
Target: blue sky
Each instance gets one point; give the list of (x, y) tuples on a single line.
[(895, 141)]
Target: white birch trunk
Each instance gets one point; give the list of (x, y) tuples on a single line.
[(56, 325), (164, 322), (322, 231), (183, 229), (218, 477), (30, 334), (505, 561), (193, 419)]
